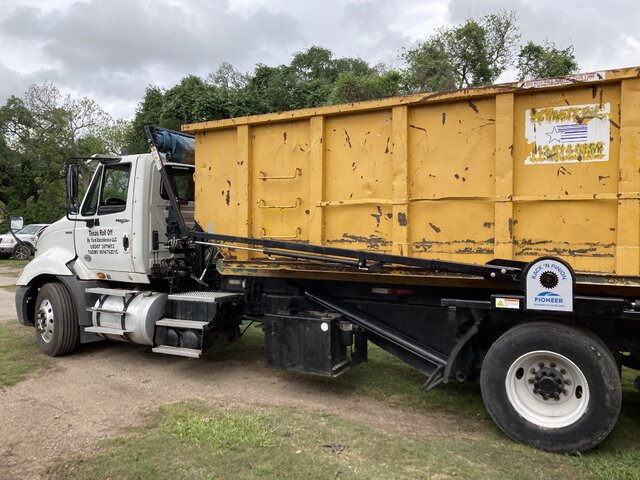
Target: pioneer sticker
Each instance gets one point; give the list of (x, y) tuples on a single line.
[(549, 286), (569, 134)]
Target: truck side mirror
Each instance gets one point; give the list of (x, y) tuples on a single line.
[(15, 223), (72, 189)]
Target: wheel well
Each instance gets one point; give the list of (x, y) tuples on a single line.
[(493, 328), (34, 287)]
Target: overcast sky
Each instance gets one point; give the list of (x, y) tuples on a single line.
[(110, 50)]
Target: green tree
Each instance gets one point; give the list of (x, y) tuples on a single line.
[(474, 53), (544, 61), (428, 67), (270, 89), (315, 63), (230, 84), (351, 87), (308, 81), (149, 112), (38, 133), (192, 100)]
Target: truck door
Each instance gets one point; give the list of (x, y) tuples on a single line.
[(103, 236)]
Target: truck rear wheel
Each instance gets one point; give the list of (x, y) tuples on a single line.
[(551, 386), (55, 320)]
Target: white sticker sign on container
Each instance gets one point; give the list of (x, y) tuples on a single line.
[(568, 134), (549, 286)]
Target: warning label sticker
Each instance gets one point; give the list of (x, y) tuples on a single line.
[(512, 303), (569, 134)]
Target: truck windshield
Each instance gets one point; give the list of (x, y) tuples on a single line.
[(181, 179)]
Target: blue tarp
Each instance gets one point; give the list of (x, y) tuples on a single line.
[(175, 147)]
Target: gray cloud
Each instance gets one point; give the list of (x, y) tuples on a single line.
[(11, 83), (132, 35), (602, 34), (112, 50)]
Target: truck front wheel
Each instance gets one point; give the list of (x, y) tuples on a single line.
[(55, 320), (551, 386)]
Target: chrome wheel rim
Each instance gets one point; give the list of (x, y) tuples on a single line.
[(45, 324), (547, 389)]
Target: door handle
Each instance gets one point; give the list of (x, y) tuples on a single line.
[(125, 242)]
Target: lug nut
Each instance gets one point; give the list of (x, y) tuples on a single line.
[(552, 364), (567, 382), (563, 371), (541, 365)]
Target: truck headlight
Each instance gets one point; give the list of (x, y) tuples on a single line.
[(8, 240)]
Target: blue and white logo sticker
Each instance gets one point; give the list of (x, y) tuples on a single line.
[(549, 286), (568, 134)]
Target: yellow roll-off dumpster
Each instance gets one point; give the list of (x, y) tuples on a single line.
[(512, 171)]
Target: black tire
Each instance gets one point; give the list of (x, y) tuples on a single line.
[(507, 383), (21, 252), (55, 320)]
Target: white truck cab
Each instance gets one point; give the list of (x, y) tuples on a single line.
[(117, 238), (116, 235)]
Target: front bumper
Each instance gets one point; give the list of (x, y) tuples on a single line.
[(7, 249)]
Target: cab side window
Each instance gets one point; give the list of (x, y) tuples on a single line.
[(115, 186), (108, 190)]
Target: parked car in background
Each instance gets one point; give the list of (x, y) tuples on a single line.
[(29, 235)]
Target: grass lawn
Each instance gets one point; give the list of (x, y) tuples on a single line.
[(191, 441), (196, 441), (19, 353), (4, 262)]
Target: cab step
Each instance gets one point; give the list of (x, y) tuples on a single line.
[(179, 351), (204, 297), (178, 323), (107, 330), (116, 292)]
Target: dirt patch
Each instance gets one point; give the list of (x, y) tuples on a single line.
[(8, 276), (106, 389)]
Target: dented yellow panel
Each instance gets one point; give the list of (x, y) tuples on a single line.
[(219, 174), (453, 230), (513, 171), (452, 150), (280, 180), (582, 232)]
